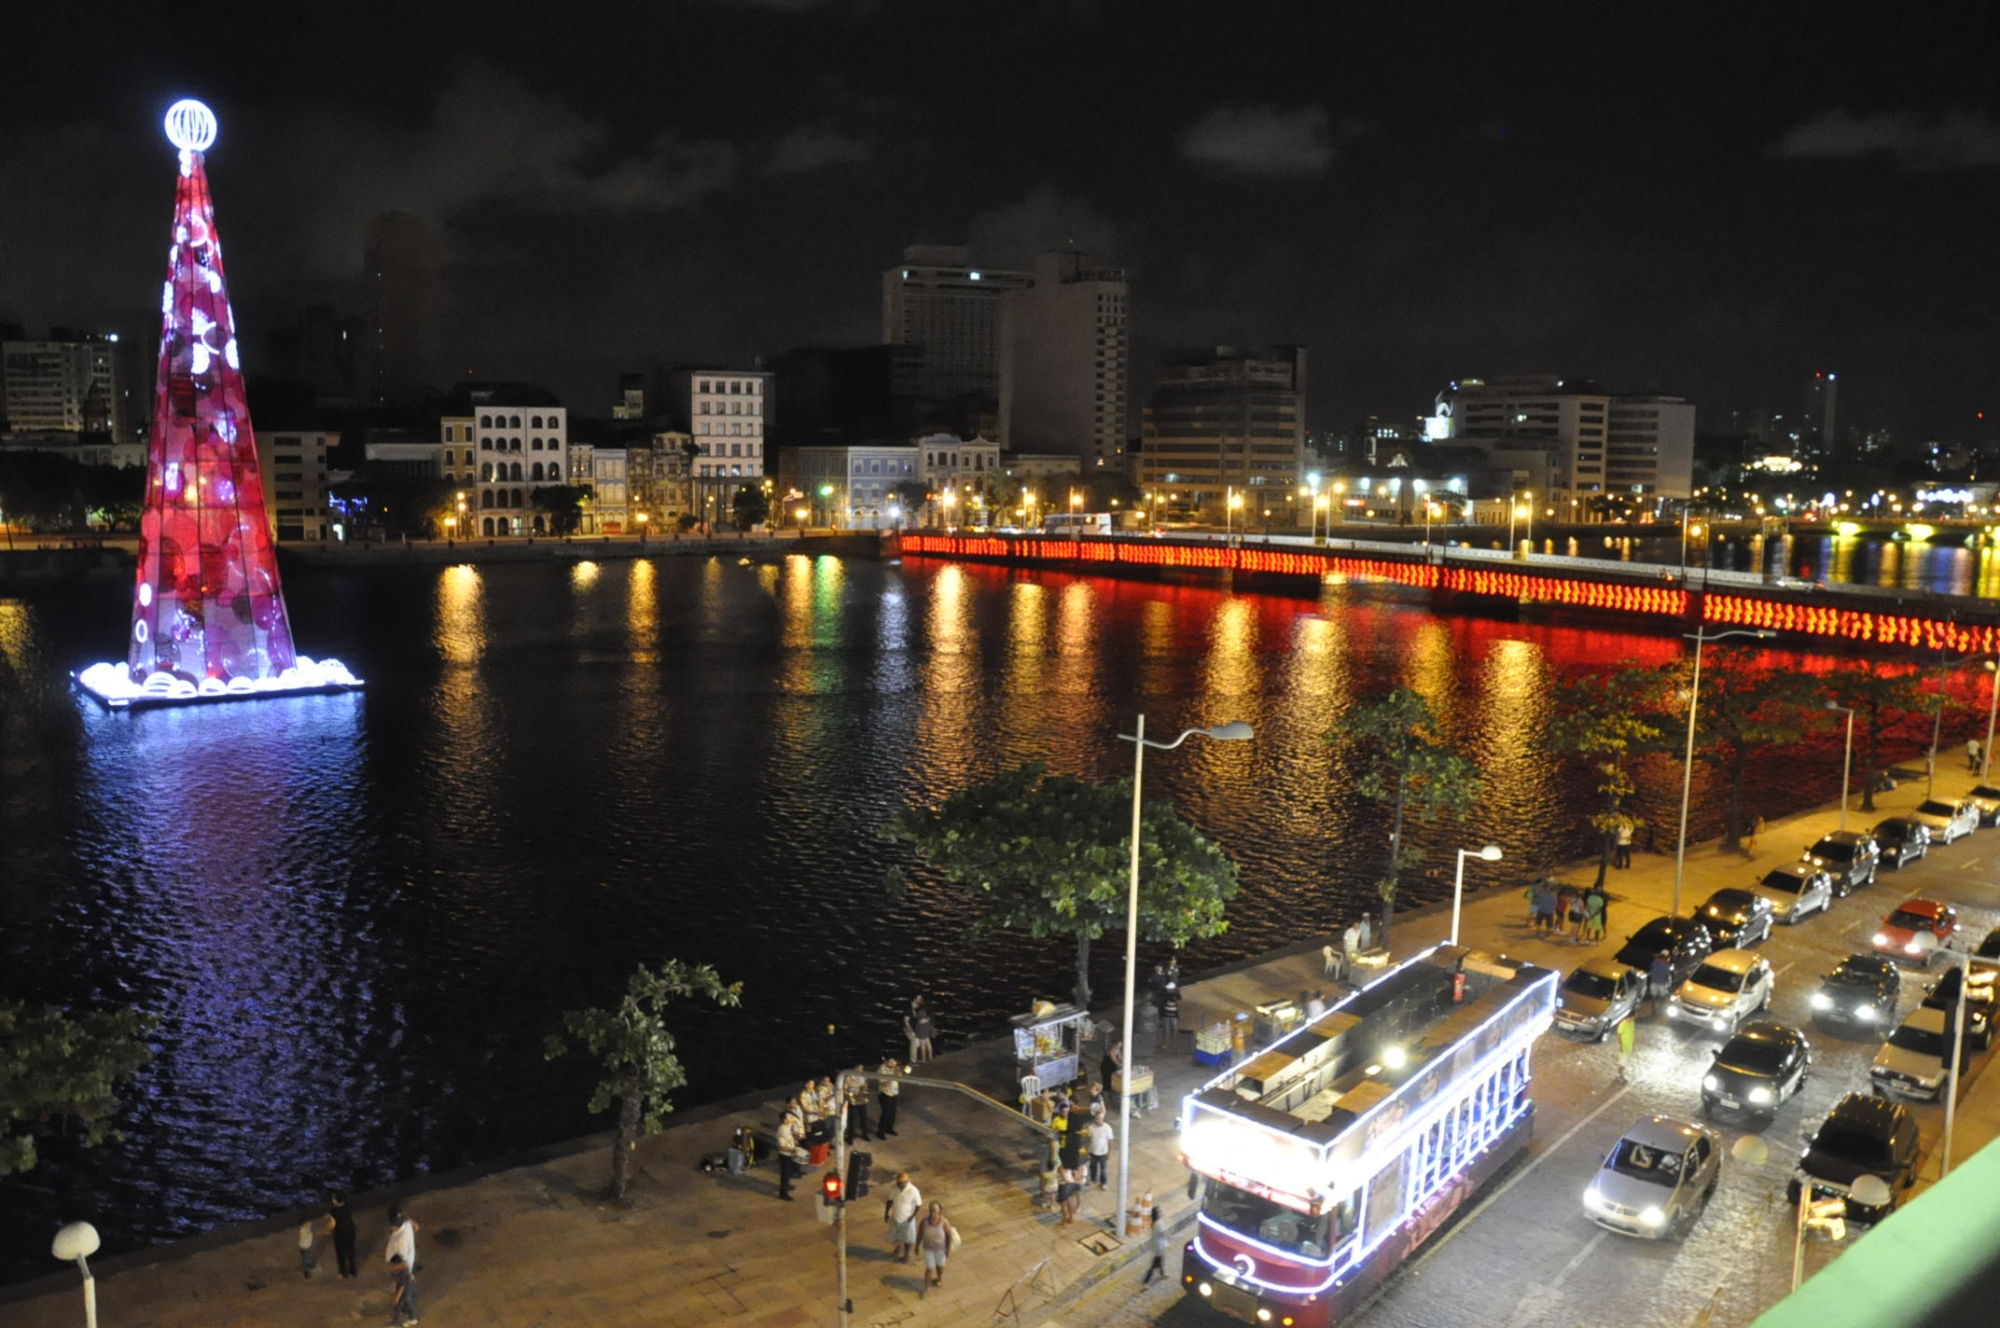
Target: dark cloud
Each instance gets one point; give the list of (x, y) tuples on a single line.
[(1914, 140), (1261, 140), (815, 147), (1046, 219)]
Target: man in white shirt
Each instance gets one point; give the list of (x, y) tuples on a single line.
[(904, 1204), (402, 1239), (1098, 1137)]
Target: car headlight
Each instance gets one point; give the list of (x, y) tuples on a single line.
[(1867, 1014), (1653, 1217), (1594, 1201), (1822, 1001), (1712, 1084), (1760, 1096), (1913, 948), (1881, 938)]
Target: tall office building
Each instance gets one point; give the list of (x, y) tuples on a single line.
[(1571, 440), (1066, 360), (1822, 409), (73, 383), (1231, 420), (938, 300), (404, 268)]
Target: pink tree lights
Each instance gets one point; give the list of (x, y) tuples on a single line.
[(208, 615)]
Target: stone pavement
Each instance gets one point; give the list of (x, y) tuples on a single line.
[(536, 1244)]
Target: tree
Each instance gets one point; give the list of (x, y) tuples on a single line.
[(1051, 855), (57, 1067), (1407, 765), (563, 503), (1746, 704), (1605, 719), (1880, 695), (750, 506), (910, 496), (635, 1049)]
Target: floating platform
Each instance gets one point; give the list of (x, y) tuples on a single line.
[(111, 685)]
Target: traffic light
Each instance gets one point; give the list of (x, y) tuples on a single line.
[(829, 1188)]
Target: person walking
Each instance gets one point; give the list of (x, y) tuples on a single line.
[(1113, 1062), (791, 1149), (900, 1211), (1972, 750), (1623, 856), (402, 1239), (1159, 1243), (1628, 1037), (857, 1106), (936, 1238), (1099, 1136), (1069, 1192), (342, 1217), (920, 1028), (1167, 1004), (886, 1092), (1593, 916), (308, 1250), (402, 1292)]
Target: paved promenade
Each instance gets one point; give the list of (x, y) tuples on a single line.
[(536, 1244)]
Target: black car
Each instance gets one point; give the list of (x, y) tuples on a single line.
[(1758, 1069), (1988, 798), (1861, 1136), (1860, 993), (1979, 1009), (1990, 947), (1848, 856), (1902, 840), (1684, 941), (1737, 919)]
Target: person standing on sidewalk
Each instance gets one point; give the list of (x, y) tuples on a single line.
[(857, 1105), (342, 1217), (308, 1252), (1623, 857), (920, 1028), (791, 1151), (402, 1292), (1593, 916), (1100, 1135), (900, 1211), (1113, 1062), (402, 1239), (937, 1238), (1628, 1037), (886, 1092), (1069, 1193), (1159, 1243), (1972, 755)]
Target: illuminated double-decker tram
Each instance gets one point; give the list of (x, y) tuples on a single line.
[(1329, 1157)]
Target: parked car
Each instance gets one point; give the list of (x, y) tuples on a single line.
[(1913, 918), (1739, 918), (1796, 890), (1912, 1063), (1597, 995), (1979, 1001), (1684, 941), (1848, 856), (1947, 820), (1861, 1136), (1657, 1180), (1757, 1070), (1863, 990), (1990, 947), (1987, 798), (1902, 840), (1725, 989)]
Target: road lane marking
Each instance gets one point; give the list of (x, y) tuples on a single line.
[(1579, 1257), (1539, 1299), (1780, 972)]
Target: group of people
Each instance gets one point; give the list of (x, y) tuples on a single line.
[(1563, 910), (811, 1117), (399, 1255), (931, 1236), (1081, 1152)]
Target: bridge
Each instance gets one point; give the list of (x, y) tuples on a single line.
[(1460, 579)]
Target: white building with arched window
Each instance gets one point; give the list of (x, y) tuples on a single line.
[(520, 443)]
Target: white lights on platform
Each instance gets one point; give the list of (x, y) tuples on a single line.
[(190, 126)]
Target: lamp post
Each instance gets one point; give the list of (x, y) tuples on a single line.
[(450, 531), (1234, 731), (946, 500), (1491, 853), (1529, 496), (1846, 757), (1232, 503), (79, 1241), (1687, 767), (1322, 505), (1992, 708), (642, 518)]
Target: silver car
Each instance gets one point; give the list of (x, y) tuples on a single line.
[(1795, 890), (1947, 820), (1597, 995), (1657, 1180)]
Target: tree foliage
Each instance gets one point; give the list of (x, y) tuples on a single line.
[(49, 492), (1405, 763), (1883, 696), (1605, 720), (634, 1047), (563, 504), (1748, 702), (1051, 855), (57, 1068), (750, 506)]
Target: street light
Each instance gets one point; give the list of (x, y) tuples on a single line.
[(1992, 706), (1234, 731), (1491, 853), (79, 1241), (450, 531), (1846, 758), (1322, 504), (1687, 771), (1230, 507), (642, 518)]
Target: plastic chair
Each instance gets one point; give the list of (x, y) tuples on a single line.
[(1031, 1088)]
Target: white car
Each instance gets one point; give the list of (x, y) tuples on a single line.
[(1728, 987), (1795, 890), (1947, 820), (1912, 1062)]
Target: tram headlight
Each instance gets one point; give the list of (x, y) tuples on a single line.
[(1653, 1217), (1206, 1289)]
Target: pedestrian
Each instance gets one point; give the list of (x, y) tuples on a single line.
[(1113, 1062), (1072, 1144), (1545, 905), (1530, 896), (1628, 1035), (857, 1105), (308, 1252), (791, 1149), (1659, 976), (1069, 1193), (1315, 1006), (1099, 1135), (402, 1292), (1623, 857), (1562, 911), (1366, 934), (886, 1092), (402, 1238), (1051, 1175), (1972, 755), (342, 1218), (1159, 1242), (900, 1211), (920, 1028), (1350, 942), (1168, 1006), (1593, 916), (937, 1238)]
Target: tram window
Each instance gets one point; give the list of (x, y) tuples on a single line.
[(1276, 1225)]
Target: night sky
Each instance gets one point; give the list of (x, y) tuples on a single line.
[(1712, 201)]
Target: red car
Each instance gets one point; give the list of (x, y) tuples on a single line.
[(1901, 931)]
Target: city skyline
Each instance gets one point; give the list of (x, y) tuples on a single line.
[(1704, 206)]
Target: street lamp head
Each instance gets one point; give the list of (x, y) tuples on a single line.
[(1234, 731), (78, 1240), (1491, 853)]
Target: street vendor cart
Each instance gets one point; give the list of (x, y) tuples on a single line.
[(1048, 1044)]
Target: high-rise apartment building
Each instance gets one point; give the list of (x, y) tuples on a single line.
[(1570, 439), (403, 262), (73, 383), (1822, 409), (938, 300), (1231, 420), (1066, 361)]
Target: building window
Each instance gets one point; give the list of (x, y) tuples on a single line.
[(485, 421)]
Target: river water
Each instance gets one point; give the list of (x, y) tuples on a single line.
[(357, 916)]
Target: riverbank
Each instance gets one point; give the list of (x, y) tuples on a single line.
[(531, 1241)]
